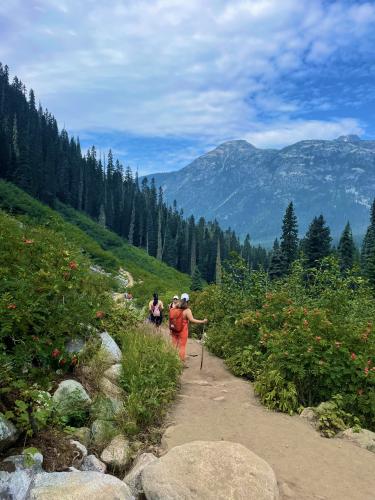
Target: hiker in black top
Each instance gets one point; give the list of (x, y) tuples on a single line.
[(155, 308)]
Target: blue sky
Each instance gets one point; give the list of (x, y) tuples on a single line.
[(163, 81)]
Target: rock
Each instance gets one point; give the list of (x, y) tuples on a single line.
[(75, 345), (82, 450), (309, 415), (71, 397), (133, 478), (105, 408), (81, 434), (78, 486), (91, 462), (364, 438), (209, 471), (16, 485), (8, 433), (117, 453), (113, 373), (32, 461), (219, 398), (102, 431), (112, 350), (110, 389)]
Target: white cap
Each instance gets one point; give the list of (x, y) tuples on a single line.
[(185, 296), (175, 297)]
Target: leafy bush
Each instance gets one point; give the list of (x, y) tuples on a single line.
[(332, 418), (150, 372), (304, 339)]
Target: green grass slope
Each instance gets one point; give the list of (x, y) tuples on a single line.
[(104, 247)]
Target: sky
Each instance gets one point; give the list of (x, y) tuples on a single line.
[(163, 81)]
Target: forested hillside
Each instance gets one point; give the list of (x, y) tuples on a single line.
[(50, 166)]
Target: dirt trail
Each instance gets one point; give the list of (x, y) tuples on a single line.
[(215, 405)]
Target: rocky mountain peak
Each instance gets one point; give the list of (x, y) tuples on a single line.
[(348, 138)]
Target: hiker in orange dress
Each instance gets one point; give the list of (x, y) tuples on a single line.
[(179, 339)]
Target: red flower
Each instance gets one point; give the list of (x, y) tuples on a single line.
[(62, 362), (55, 353), (74, 361), (73, 265), (366, 371), (11, 306), (100, 314), (353, 356), (28, 242)]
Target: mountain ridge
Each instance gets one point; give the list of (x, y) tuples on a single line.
[(247, 188)]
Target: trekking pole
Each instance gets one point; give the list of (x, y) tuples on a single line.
[(202, 342)]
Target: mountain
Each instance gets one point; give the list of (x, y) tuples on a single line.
[(248, 188)]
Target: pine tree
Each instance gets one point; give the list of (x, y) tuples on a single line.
[(193, 253), (218, 264), (277, 265), (346, 249), (289, 236), (317, 242), (196, 280), (368, 248), (132, 226)]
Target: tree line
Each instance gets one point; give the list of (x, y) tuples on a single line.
[(50, 165)]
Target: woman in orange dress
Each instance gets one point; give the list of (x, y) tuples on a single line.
[(179, 340)]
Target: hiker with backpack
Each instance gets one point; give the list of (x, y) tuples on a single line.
[(174, 303), (156, 310), (179, 319)]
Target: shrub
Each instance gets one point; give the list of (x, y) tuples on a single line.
[(303, 339), (150, 372)]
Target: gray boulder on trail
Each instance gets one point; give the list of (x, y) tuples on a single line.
[(203, 470), (134, 477), (111, 349)]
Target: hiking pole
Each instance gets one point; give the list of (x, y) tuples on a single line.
[(202, 342)]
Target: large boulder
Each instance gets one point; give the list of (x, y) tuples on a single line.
[(81, 434), (134, 477), (8, 433), (209, 471), (363, 438), (70, 397), (105, 408), (110, 347), (117, 453), (78, 486)]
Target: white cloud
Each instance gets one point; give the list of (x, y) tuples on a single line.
[(169, 67), (278, 135)]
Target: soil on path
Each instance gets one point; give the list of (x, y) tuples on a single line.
[(214, 405)]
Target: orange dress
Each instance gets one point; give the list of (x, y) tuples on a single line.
[(180, 340)]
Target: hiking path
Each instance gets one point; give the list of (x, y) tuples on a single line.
[(215, 405)]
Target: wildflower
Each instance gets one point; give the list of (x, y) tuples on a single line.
[(353, 356), (55, 353), (100, 314), (73, 265), (11, 306), (62, 362), (74, 361), (318, 338), (366, 371), (28, 242), (338, 344), (306, 324)]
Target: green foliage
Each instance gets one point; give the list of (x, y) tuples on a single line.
[(289, 237), (346, 249), (302, 341), (317, 242), (47, 294), (332, 418), (150, 372), (196, 280)]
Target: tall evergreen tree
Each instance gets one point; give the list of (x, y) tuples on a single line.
[(368, 248), (317, 242), (218, 264), (196, 280), (346, 249), (289, 236)]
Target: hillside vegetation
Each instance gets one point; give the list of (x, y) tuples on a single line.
[(104, 247)]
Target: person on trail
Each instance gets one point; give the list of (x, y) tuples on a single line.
[(156, 310), (174, 302), (179, 319)]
